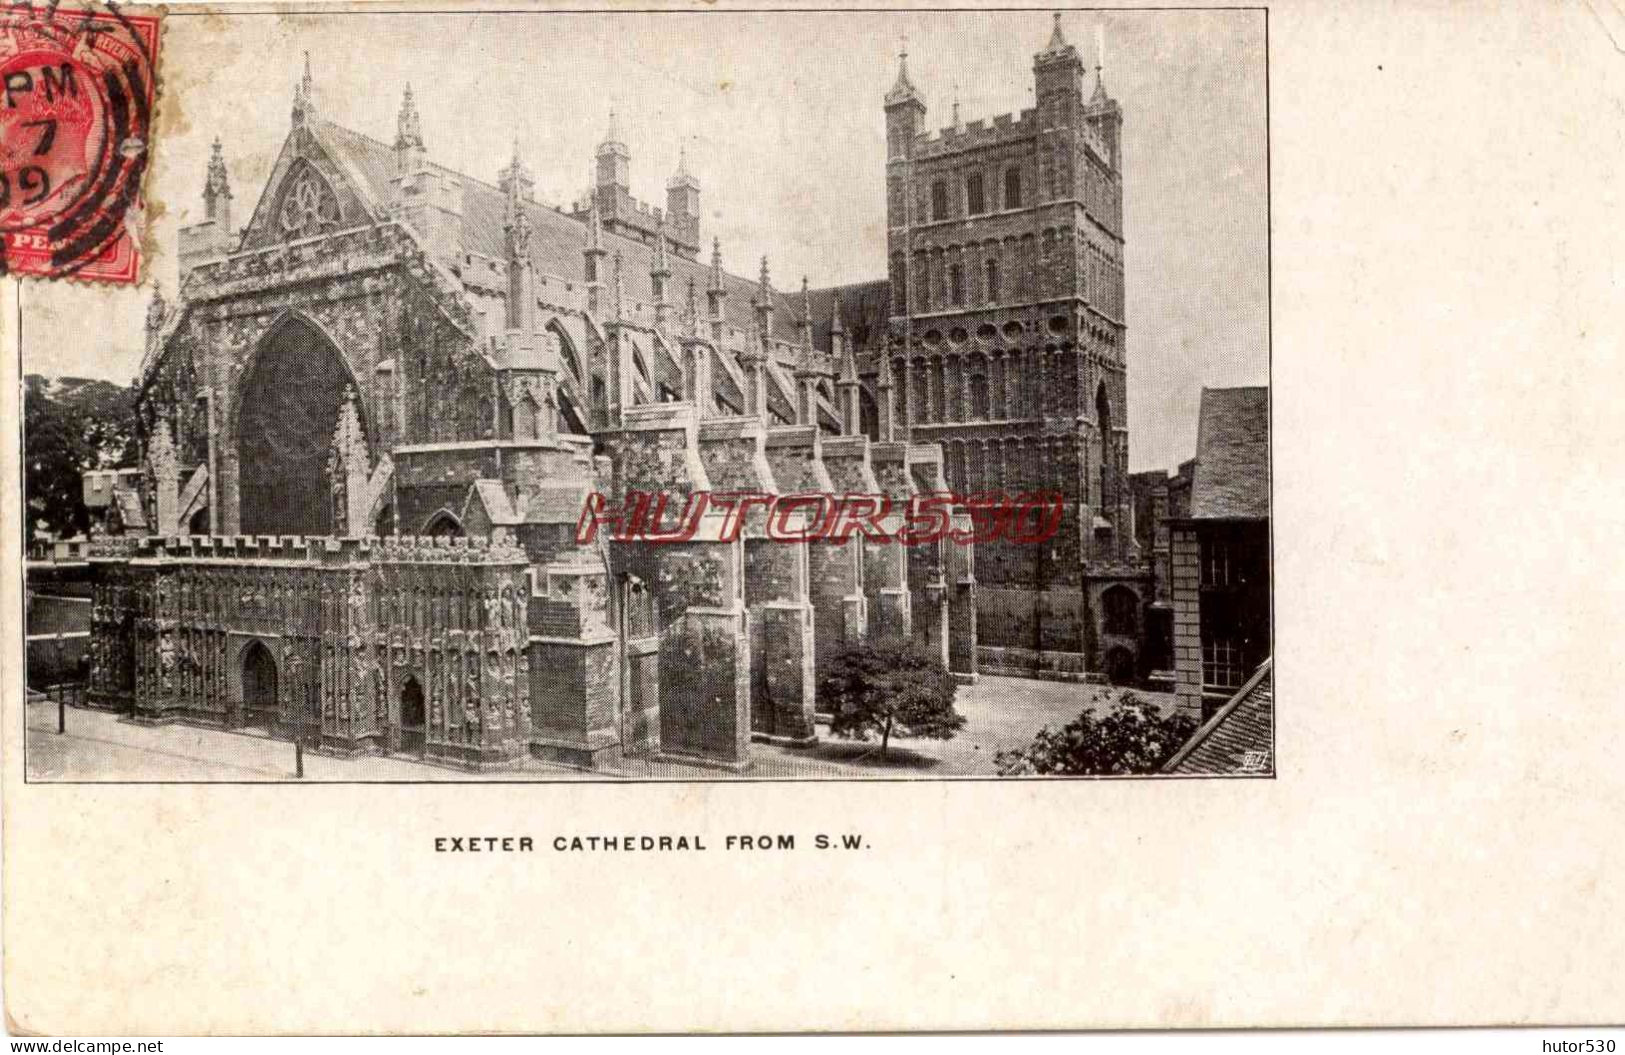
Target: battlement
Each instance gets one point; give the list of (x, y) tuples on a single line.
[(1004, 129), (517, 350), (312, 550)]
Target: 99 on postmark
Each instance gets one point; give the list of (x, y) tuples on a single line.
[(76, 96)]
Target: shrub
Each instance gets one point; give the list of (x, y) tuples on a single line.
[(1133, 737)]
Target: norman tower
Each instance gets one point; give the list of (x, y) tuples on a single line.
[(1007, 335)]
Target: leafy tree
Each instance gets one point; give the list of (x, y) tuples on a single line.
[(890, 688), (107, 414), (71, 425), (55, 449), (1133, 737)]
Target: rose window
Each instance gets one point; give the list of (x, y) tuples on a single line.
[(309, 207)]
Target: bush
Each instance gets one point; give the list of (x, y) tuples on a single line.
[(1133, 737), (889, 688)]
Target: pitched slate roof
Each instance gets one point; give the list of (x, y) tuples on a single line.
[(865, 307), (1239, 738), (1232, 476), (558, 239)]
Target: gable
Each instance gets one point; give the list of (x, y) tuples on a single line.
[(313, 189)]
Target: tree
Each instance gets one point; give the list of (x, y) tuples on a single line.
[(890, 688), (70, 425), (1133, 737), (55, 452)]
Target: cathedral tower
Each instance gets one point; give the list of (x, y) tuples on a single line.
[(1006, 336)]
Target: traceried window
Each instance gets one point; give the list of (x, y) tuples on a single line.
[(975, 200), (939, 200), (1012, 188), (309, 206)]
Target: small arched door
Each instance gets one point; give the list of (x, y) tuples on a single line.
[(259, 683), (413, 720), (1120, 666)]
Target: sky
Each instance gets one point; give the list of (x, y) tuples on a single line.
[(780, 114)]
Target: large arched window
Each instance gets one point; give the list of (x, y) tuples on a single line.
[(286, 415)]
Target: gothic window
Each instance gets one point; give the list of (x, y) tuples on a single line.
[(975, 200), (992, 281), (956, 285), (1121, 610), (978, 396), (1012, 188), (309, 206), (939, 200)]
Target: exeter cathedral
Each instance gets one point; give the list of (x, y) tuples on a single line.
[(374, 415)]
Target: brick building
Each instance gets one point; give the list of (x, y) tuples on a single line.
[(376, 412), (1220, 551)]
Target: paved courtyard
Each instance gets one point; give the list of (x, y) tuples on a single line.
[(1000, 713)]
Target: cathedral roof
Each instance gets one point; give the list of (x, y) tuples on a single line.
[(558, 238), (865, 307)]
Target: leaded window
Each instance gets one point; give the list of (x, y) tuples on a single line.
[(309, 206)]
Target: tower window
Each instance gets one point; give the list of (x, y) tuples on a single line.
[(939, 200), (992, 281), (956, 285), (975, 201), (1012, 188)]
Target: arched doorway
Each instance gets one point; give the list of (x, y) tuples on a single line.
[(1120, 666), (286, 416), (413, 720), (259, 685)]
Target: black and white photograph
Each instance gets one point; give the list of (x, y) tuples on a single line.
[(905, 416)]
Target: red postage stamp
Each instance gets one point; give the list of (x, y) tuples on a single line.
[(76, 97)]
